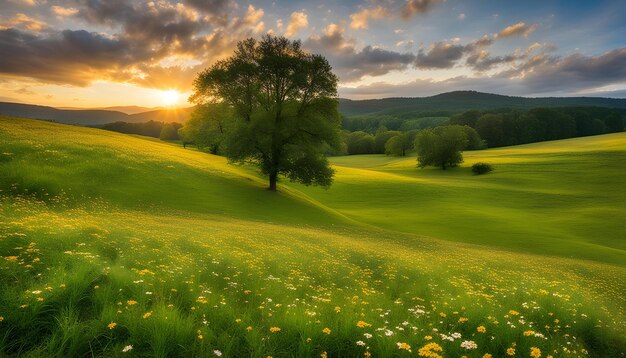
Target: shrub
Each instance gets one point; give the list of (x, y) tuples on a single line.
[(481, 168)]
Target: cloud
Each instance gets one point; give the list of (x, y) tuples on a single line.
[(64, 11), (440, 55), (23, 21), (576, 70), (519, 29), (69, 57), (351, 64), (414, 7), (360, 19), (298, 20)]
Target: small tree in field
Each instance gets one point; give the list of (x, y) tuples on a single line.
[(284, 108), (441, 146), (398, 145)]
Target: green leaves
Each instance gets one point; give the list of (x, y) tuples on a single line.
[(283, 105)]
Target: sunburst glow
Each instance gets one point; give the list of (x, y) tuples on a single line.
[(170, 97)]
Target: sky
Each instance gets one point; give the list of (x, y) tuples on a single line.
[(99, 53)]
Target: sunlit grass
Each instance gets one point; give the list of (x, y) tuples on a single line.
[(128, 242)]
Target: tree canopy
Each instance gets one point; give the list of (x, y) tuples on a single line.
[(441, 146), (284, 108)]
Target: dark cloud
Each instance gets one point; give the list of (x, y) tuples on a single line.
[(447, 54), (440, 55), (351, 64), (536, 75), (72, 57), (413, 7), (576, 70)]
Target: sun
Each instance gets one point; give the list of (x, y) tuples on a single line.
[(170, 97)]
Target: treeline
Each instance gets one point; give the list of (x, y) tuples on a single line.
[(397, 136), (371, 123), (162, 130), (512, 127), (396, 143)]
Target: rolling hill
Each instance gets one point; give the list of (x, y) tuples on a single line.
[(459, 101), (112, 243), (92, 117), (442, 104)]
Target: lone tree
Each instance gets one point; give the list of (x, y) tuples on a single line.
[(441, 146), (284, 108)]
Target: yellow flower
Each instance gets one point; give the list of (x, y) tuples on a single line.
[(147, 314), (1, 318), (430, 350), (462, 319), (428, 338), (510, 351), (404, 346), (238, 320), (324, 355), (275, 329), (249, 328), (481, 329), (112, 325), (131, 302), (200, 336), (529, 333), (367, 354), (326, 330), (535, 352), (487, 355), (362, 324), (513, 313)]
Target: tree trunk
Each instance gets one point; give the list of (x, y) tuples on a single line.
[(273, 178)]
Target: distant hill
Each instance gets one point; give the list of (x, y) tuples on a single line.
[(443, 104), (91, 117), (123, 109), (459, 101)]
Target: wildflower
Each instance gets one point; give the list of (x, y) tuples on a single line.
[(510, 351), (131, 302), (275, 329), (481, 329), (367, 335), (326, 330), (324, 355), (456, 335), (249, 328), (487, 355), (430, 350), (147, 314), (112, 325), (404, 346), (238, 320), (1, 318), (513, 313), (362, 324), (428, 338), (128, 348), (462, 319), (535, 352), (388, 333), (529, 333), (367, 354), (360, 343), (200, 337), (469, 345), (217, 353)]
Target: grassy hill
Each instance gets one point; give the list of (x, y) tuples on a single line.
[(109, 241), (459, 101), (561, 198)]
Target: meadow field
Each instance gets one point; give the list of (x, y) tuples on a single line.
[(115, 245)]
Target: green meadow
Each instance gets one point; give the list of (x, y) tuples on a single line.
[(115, 245)]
